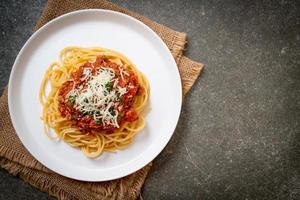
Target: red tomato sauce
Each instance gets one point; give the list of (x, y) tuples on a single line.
[(85, 121)]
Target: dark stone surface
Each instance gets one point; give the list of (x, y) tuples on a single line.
[(239, 133)]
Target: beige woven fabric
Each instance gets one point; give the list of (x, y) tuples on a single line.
[(17, 161)]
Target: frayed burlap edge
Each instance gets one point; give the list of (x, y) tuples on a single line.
[(47, 183), (174, 40), (22, 158), (31, 171)]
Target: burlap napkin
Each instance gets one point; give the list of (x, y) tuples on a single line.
[(17, 161)]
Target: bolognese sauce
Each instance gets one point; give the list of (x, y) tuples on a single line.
[(99, 96)]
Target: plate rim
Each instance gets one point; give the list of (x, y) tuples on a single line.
[(18, 131)]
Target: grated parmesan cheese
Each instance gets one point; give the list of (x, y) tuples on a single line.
[(99, 95)]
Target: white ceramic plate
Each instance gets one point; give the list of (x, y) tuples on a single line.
[(89, 28)]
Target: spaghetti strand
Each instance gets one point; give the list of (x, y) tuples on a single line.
[(94, 143)]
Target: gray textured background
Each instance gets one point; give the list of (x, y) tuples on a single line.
[(239, 132)]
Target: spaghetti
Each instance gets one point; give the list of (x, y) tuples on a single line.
[(96, 100)]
